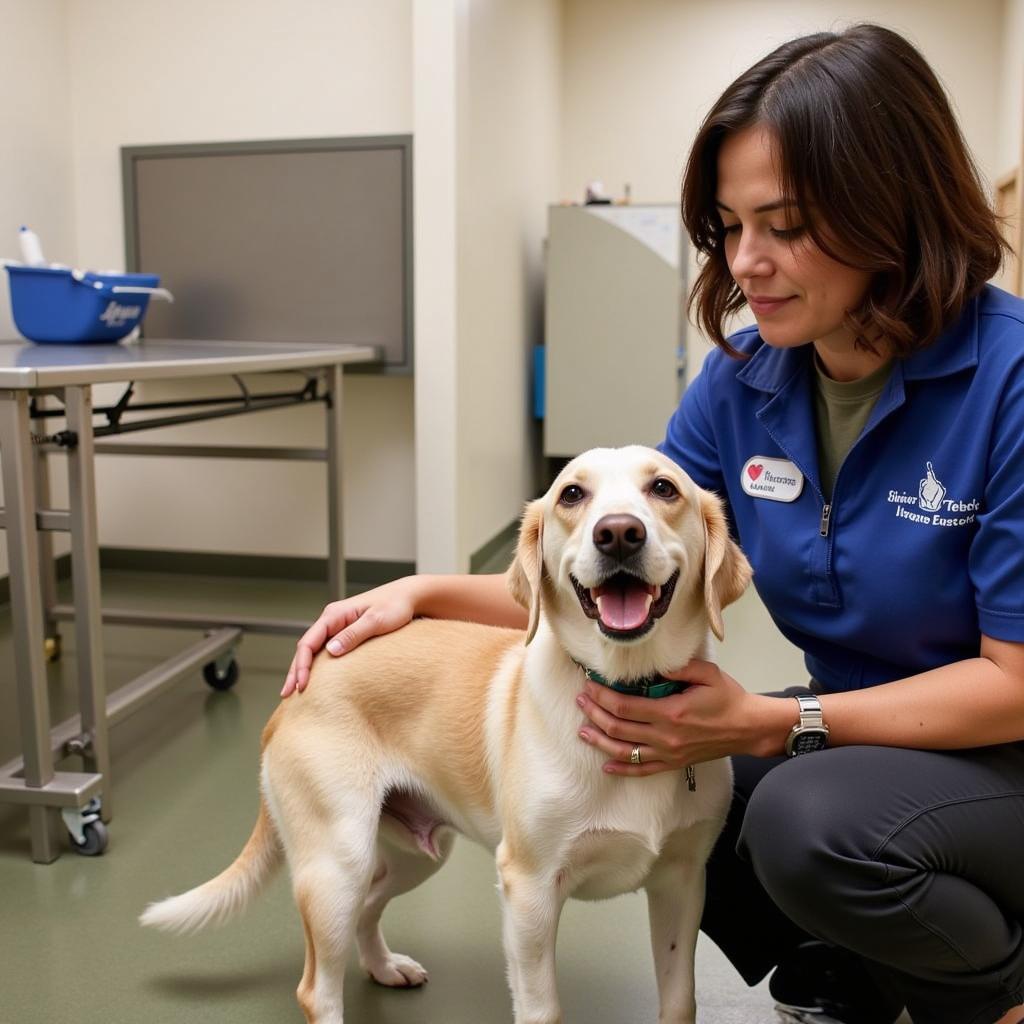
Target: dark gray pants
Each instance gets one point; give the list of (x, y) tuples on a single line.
[(912, 859)]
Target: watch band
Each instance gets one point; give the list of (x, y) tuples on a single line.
[(810, 733), (810, 711)]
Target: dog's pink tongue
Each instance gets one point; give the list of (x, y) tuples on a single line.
[(624, 607)]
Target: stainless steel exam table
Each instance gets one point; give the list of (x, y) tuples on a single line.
[(31, 378)]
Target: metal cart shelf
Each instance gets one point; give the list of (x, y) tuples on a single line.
[(31, 378)]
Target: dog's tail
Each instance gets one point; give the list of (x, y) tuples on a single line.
[(222, 897)]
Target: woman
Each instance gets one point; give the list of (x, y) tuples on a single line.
[(868, 437)]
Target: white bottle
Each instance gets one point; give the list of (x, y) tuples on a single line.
[(31, 249)]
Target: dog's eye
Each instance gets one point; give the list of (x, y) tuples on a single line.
[(572, 495), (664, 488)]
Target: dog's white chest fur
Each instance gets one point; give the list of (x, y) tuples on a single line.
[(604, 864), (613, 852)]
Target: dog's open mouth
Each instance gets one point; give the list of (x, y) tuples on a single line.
[(625, 605)]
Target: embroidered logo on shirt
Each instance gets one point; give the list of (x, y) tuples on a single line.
[(930, 492), (775, 479), (931, 497)]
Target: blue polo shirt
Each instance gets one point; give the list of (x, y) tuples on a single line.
[(921, 549)]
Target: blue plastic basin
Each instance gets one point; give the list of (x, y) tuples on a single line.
[(57, 306)]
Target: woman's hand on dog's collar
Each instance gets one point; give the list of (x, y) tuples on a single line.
[(700, 724)]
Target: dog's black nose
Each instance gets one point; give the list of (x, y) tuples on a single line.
[(619, 536)]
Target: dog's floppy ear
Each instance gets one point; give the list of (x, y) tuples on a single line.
[(726, 569), (525, 572)]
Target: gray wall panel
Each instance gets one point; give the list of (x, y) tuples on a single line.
[(285, 242)]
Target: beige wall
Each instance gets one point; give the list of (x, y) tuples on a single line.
[(1010, 105), (509, 104), (639, 76), (243, 69), (435, 45), (35, 124)]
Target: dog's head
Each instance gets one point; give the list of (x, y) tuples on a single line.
[(626, 552)]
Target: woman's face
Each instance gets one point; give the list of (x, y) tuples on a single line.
[(796, 292)]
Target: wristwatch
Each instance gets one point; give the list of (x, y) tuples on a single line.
[(811, 732)]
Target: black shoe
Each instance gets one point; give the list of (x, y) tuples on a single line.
[(823, 984), (792, 1015)]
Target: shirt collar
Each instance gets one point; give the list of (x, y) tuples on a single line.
[(956, 348)]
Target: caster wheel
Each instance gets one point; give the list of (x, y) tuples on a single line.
[(221, 679), (96, 837)]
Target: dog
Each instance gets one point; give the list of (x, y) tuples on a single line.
[(450, 727)]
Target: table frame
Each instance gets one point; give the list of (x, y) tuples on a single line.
[(29, 521)]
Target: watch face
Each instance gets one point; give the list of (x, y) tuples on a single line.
[(808, 742)]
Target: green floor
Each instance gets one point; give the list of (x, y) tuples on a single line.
[(184, 797)]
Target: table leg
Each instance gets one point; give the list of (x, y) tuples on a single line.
[(27, 616), (85, 573), (335, 539), (47, 565)]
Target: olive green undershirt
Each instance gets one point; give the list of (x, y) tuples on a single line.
[(841, 411)]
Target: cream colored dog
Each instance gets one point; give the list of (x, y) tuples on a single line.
[(447, 727)]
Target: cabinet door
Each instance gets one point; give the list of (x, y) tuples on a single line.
[(614, 327)]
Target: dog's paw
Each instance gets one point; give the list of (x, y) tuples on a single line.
[(396, 971)]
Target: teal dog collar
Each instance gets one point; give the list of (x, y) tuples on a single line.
[(652, 686)]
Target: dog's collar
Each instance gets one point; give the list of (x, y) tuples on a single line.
[(652, 686)]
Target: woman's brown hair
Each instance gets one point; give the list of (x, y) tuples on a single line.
[(871, 153)]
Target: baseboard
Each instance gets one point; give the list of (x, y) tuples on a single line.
[(487, 551), (367, 572)]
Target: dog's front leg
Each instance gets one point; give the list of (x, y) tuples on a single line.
[(531, 906), (675, 902)]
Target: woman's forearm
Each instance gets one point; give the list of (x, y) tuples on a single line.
[(483, 599), (972, 703)]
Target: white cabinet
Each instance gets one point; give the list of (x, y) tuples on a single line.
[(614, 325)]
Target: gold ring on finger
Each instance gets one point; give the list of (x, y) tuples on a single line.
[(634, 756)]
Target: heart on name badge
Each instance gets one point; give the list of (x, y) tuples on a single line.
[(754, 471)]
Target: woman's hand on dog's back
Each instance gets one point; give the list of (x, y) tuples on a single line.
[(344, 625)]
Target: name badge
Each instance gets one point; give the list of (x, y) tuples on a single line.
[(775, 479)]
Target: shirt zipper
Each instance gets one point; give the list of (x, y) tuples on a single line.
[(826, 518), (825, 524)]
